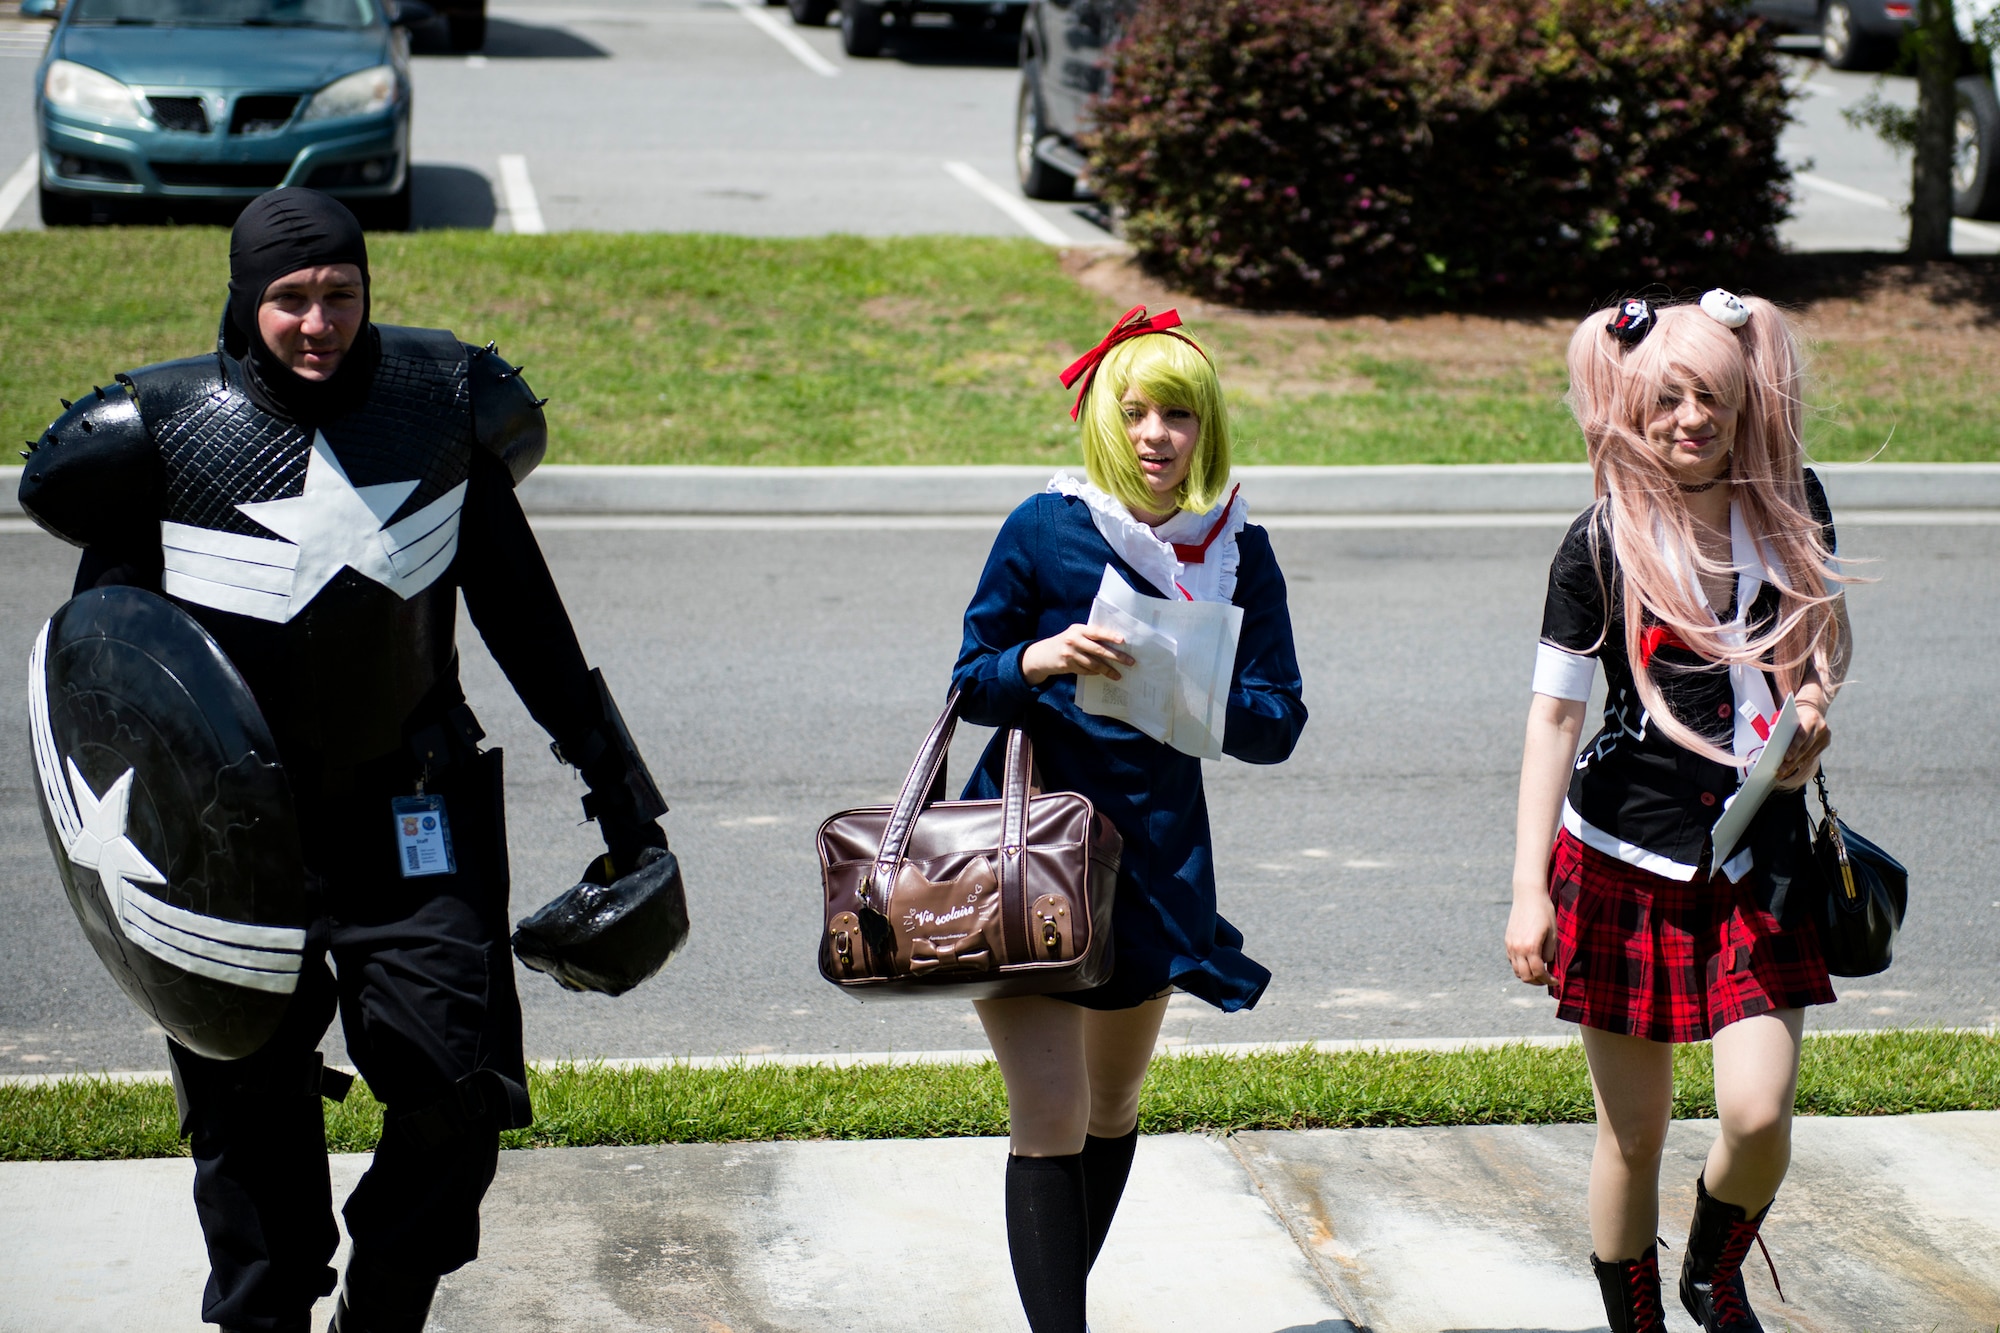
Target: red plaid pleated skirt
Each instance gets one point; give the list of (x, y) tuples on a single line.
[(1652, 957)]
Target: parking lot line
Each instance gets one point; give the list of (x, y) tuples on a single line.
[(17, 188), (1971, 230), (524, 212), (785, 37), (1031, 222)]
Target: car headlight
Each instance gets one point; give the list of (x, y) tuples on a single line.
[(82, 89), (361, 94)]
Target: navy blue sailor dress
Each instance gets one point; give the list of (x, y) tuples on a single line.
[(1040, 578)]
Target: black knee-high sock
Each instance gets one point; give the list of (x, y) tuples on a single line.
[(1106, 1165), (1048, 1237)]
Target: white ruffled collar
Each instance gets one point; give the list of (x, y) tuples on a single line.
[(1150, 551)]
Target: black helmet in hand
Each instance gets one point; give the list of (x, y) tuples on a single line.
[(609, 934)]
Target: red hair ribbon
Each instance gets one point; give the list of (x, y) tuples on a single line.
[(1198, 554), (1132, 324)]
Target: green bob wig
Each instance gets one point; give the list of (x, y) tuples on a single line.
[(1170, 373)]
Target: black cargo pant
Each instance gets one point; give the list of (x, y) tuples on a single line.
[(423, 980)]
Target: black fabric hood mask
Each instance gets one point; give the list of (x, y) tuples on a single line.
[(278, 233)]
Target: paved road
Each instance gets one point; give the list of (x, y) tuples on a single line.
[(1370, 873), (685, 115)]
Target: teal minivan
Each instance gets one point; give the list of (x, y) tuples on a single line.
[(221, 100)]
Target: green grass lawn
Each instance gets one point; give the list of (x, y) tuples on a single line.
[(711, 349), (1890, 1073)]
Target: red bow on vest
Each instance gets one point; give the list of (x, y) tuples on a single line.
[(1132, 324), (1197, 554)]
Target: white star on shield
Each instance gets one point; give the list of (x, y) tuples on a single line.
[(103, 844)]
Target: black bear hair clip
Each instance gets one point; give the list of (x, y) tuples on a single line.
[(1633, 321)]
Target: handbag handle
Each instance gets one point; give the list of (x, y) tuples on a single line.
[(1832, 827), (924, 784)]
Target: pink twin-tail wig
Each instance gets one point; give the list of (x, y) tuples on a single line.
[(1614, 391)]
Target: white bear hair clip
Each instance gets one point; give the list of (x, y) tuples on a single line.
[(1725, 308)]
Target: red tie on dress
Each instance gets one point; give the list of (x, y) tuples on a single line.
[(1132, 324), (1198, 554)]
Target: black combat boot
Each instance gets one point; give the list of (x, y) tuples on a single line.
[(377, 1298), (1712, 1271), (1631, 1290)]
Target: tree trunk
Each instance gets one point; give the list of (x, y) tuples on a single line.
[(1936, 40)]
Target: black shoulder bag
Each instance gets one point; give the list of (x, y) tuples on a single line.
[(1864, 893)]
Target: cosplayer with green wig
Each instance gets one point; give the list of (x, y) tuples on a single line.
[(1158, 512), (1172, 371)]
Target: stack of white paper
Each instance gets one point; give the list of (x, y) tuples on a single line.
[(1757, 784), (1184, 653)]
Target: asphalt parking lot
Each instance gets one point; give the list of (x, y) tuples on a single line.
[(1370, 873), (706, 115)]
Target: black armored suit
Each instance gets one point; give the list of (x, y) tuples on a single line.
[(324, 556)]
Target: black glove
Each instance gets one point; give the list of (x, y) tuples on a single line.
[(625, 837)]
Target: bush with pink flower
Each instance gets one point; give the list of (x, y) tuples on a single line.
[(1340, 152)]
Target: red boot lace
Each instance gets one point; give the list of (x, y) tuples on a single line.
[(1726, 1292), (1643, 1280)]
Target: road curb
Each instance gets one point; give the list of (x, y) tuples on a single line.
[(1508, 488), (968, 490)]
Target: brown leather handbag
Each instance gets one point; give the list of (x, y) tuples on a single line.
[(968, 899)]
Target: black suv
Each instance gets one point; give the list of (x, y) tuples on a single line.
[(1063, 45), (865, 23), (1868, 34)]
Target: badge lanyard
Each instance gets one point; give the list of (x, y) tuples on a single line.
[(423, 836)]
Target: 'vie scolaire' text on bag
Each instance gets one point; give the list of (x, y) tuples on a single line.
[(968, 899)]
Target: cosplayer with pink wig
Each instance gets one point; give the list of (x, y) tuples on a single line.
[(1703, 580)]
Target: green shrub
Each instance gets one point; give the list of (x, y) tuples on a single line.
[(1341, 152)]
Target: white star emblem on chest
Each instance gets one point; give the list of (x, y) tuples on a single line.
[(331, 525), (336, 524)]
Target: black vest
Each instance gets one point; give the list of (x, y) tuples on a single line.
[(319, 558)]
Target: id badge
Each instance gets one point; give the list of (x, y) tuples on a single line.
[(423, 837)]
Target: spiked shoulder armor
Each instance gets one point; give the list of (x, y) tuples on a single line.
[(506, 416), (94, 475)]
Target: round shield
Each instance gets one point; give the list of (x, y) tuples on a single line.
[(170, 818)]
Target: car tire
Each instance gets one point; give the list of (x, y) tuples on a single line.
[(1975, 176), (860, 28), (1038, 179), (1843, 45), (810, 13), (63, 210), (468, 31)]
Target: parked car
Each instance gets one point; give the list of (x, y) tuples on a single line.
[(1975, 172), (1064, 44), (1853, 34), (223, 99), (1868, 35), (865, 23)]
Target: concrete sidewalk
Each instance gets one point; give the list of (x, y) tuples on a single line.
[(1886, 1224)]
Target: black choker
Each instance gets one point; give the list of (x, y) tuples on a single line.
[(1697, 490)]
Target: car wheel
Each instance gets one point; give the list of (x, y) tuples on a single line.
[(860, 28), (1844, 46), (1038, 179), (1975, 168), (64, 210), (809, 13), (468, 31)]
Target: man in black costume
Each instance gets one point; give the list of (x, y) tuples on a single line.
[(316, 493)]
